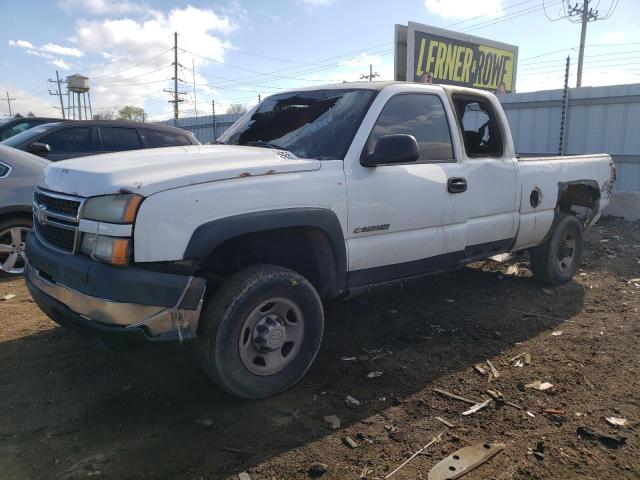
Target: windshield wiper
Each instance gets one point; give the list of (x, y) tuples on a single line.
[(262, 143)]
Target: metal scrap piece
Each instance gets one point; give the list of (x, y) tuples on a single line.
[(464, 460)]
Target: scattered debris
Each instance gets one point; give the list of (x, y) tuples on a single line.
[(616, 421), (548, 291), (538, 451), (351, 402), (480, 368), (611, 441), (494, 370), (374, 374), (530, 414), (364, 438), (317, 470), (449, 300), (462, 461), (444, 393), (556, 333), (8, 296), (538, 385), (350, 442), (448, 424), (519, 363), (527, 359), (513, 269), (244, 476), (205, 422), (333, 420), (477, 406), (553, 411), (433, 440), (348, 359)]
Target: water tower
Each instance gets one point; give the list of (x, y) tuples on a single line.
[(77, 96)]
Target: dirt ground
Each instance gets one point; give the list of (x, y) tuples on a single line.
[(70, 410)]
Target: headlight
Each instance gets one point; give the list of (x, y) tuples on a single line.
[(107, 249), (120, 208)]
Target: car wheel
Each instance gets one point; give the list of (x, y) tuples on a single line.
[(260, 331), (13, 232), (557, 259)]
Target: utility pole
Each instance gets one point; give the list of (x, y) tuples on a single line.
[(9, 103), (565, 107), (213, 120), (58, 92), (371, 75), (175, 92), (195, 99), (585, 14)]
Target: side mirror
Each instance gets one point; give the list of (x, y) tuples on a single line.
[(396, 148), (38, 148)]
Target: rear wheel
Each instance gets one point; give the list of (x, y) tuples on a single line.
[(260, 331), (13, 232), (557, 259)]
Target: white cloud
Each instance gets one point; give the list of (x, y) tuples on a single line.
[(136, 55), (47, 48), (60, 63), (103, 7), (463, 8), (39, 54), (318, 3), (613, 38), (25, 103), (20, 43), (60, 50)]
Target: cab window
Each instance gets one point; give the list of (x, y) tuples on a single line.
[(480, 127), (420, 115)]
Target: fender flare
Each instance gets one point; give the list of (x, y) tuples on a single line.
[(208, 236)]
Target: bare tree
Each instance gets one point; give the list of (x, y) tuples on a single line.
[(106, 115), (236, 108)]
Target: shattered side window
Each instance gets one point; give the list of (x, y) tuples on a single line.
[(315, 124)]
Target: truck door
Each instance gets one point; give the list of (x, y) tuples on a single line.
[(490, 172), (410, 218)]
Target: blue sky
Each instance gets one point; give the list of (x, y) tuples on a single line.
[(245, 48)]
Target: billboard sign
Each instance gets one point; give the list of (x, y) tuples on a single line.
[(435, 55)]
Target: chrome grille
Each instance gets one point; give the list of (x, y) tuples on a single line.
[(55, 219), (61, 205)]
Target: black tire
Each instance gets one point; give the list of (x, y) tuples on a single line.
[(557, 259), (6, 224), (224, 320)]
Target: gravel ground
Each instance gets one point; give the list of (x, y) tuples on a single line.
[(71, 410)]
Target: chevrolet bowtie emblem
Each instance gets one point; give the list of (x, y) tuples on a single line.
[(41, 214)]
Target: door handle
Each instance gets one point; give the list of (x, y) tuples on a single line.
[(457, 185)]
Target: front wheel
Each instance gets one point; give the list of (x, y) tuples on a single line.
[(13, 232), (260, 331), (557, 259)]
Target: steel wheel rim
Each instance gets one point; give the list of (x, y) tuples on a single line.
[(566, 252), (271, 336), (12, 257)]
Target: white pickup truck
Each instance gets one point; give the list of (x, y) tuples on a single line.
[(315, 194)]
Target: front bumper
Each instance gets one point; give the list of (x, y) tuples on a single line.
[(117, 308)]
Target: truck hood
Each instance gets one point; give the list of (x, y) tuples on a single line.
[(153, 170)]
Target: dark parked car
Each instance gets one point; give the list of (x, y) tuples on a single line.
[(62, 140), (18, 125)]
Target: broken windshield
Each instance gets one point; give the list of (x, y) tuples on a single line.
[(311, 124)]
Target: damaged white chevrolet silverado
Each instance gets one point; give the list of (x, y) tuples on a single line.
[(313, 195)]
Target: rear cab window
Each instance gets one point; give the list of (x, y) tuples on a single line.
[(480, 127)]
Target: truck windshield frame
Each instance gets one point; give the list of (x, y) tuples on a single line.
[(318, 124)]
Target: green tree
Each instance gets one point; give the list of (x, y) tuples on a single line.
[(129, 112), (236, 108)]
